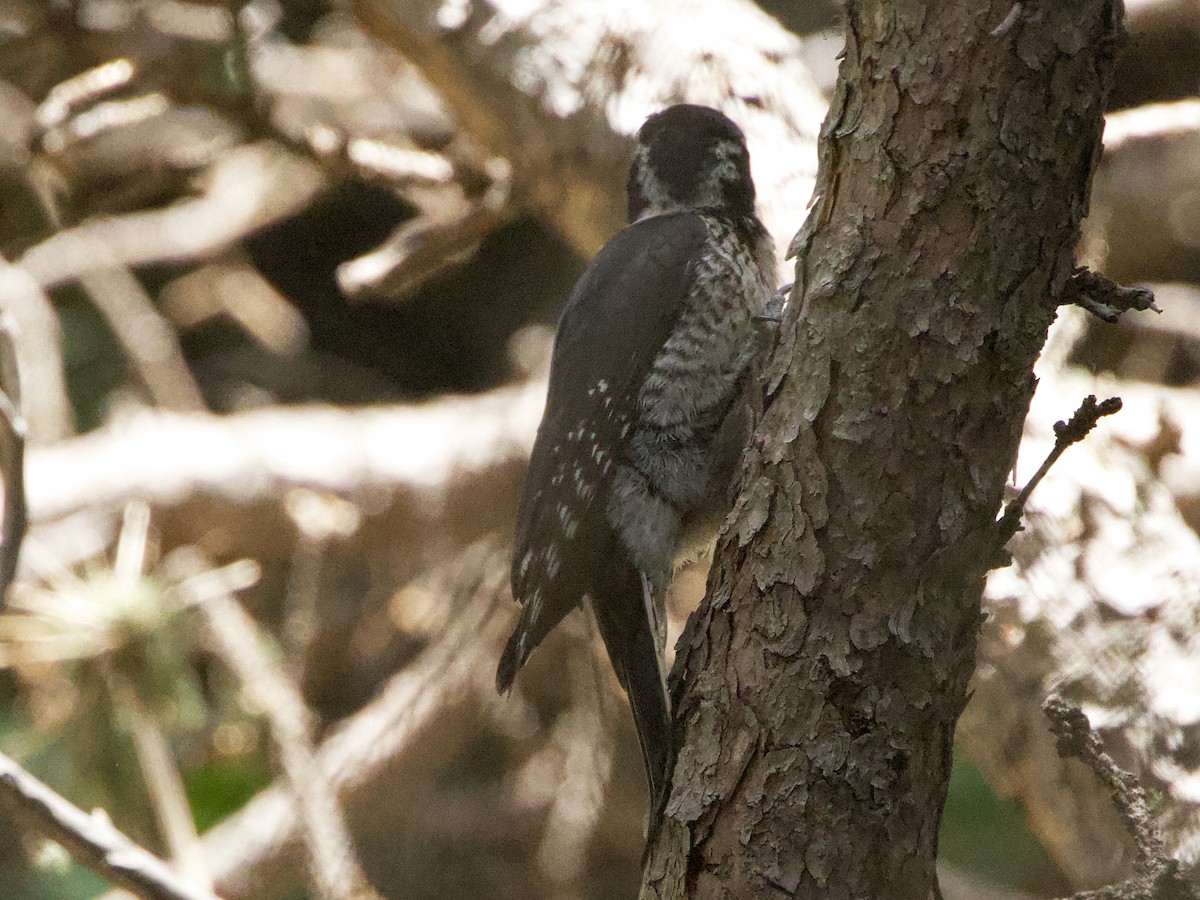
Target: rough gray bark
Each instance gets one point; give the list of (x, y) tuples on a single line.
[(823, 676)]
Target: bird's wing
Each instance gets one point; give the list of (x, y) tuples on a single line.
[(619, 315)]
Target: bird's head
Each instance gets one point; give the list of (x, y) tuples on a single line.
[(690, 157)]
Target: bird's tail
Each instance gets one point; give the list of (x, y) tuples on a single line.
[(629, 624)]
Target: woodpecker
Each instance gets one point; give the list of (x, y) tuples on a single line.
[(644, 422)]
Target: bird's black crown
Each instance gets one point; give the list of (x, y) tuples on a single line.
[(690, 157)]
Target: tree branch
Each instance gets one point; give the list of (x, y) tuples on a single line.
[(92, 840), (560, 90), (1065, 434), (335, 871), (251, 851), (1158, 875), (1104, 298)]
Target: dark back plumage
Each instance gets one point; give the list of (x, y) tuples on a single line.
[(651, 353), (634, 290)]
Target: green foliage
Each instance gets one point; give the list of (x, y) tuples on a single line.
[(75, 883), (95, 367), (220, 787), (987, 836)]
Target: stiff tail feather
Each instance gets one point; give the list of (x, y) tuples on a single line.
[(510, 662), (625, 614)]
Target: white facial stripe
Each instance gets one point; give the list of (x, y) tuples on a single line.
[(654, 192)]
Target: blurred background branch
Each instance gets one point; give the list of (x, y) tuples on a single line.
[(93, 839)]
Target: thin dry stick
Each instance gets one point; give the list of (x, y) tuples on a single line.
[(92, 840), (39, 353), (148, 340), (334, 869), (1065, 434), (164, 784), (247, 188), (1157, 876), (12, 459), (368, 744)]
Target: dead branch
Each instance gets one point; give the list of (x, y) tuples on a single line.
[(1103, 297), (149, 342), (163, 780), (333, 867), (254, 457), (1066, 433), (92, 840), (235, 288), (560, 90), (39, 354), (247, 850), (1158, 876), (448, 229), (248, 188)]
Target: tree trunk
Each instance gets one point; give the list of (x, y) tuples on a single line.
[(820, 682)]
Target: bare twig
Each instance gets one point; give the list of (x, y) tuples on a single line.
[(1103, 297), (1065, 434), (12, 459), (79, 89), (450, 228), (245, 849), (92, 840), (335, 871), (235, 288), (163, 783), (1158, 876), (248, 188), (148, 340), (39, 354), (1075, 738)]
